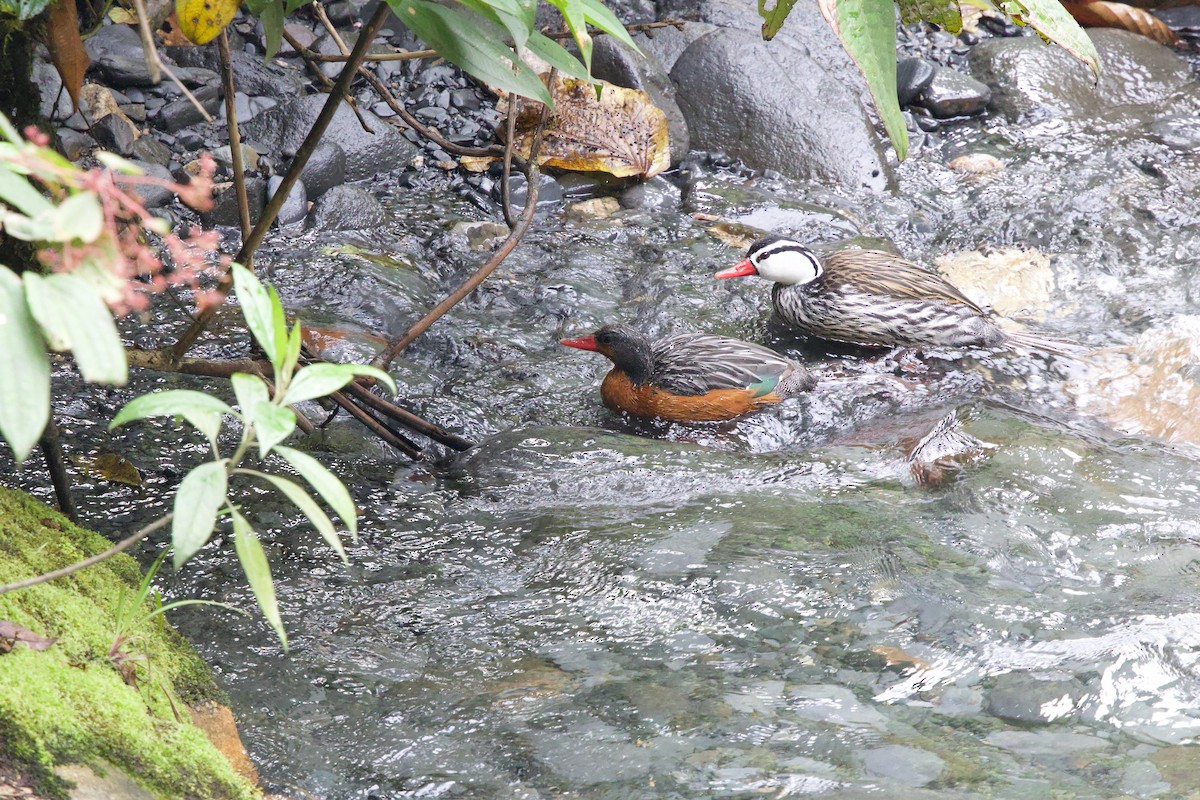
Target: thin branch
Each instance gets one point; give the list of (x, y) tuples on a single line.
[(309, 59), (406, 418), (332, 31), (403, 55), (235, 138), (51, 445), (149, 52), (246, 254), (120, 546), (510, 135), (390, 436), (533, 177)]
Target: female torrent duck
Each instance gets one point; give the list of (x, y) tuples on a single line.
[(868, 297), (691, 377)]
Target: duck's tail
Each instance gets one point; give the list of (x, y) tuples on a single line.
[(1046, 344)]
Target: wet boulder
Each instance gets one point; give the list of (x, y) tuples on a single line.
[(283, 128), (325, 168), (346, 208), (774, 107), (1031, 78)]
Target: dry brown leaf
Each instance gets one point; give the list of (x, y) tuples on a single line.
[(898, 657), (11, 633), (737, 235), (122, 16), (476, 163), (622, 133), (1103, 14), (170, 35), (66, 46)]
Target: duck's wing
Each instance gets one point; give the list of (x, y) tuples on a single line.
[(888, 275), (693, 364)]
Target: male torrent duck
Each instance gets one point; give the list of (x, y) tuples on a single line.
[(868, 297), (691, 377)]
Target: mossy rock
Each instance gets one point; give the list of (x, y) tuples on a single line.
[(69, 703)]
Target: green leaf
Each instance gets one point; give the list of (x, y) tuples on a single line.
[(867, 29), (118, 164), (507, 13), (294, 343), (272, 424), (271, 14), (202, 411), (461, 38), (556, 56), (23, 9), (1054, 23), (319, 380), (73, 317), (326, 484), (279, 332), (308, 506), (773, 19), (25, 385), (258, 573), (18, 192), (944, 13), (573, 14), (8, 131), (258, 311), (200, 496), (599, 15)]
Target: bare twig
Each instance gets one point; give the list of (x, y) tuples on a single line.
[(532, 176), (120, 546), (408, 419), (259, 232), (309, 59), (235, 139), (510, 135), (52, 452), (390, 436), (332, 31), (403, 55), (150, 53)]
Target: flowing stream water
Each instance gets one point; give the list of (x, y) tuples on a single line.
[(589, 607)]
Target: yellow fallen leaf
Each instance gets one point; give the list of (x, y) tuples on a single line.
[(122, 16), (476, 163), (201, 20), (622, 132)]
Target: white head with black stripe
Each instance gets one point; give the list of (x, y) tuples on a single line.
[(778, 259)]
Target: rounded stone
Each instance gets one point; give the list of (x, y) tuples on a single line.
[(346, 208)]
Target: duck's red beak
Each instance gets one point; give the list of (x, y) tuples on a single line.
[(738, 270), (582, 343)]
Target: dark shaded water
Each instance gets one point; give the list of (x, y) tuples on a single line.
[(586, 607)]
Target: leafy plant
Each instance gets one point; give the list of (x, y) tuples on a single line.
[(867, 29), (89, 227), (266, 420)]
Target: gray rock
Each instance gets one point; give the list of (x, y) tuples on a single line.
[(906, 766), (181, 113), (913, 75), (952, 94), (116, 54), (284, 127), (295, 207), (346, 208), (616, 63), (241, 107), (250, 73), (225, 207), (135, 111), (550, 193), (1181, 131), (224, 157), (1020, 697), (73, 144), (154, 196), (668, 44), (55, 103), (326, 168), (774, 107), (1029, 77), (152, 151), (115, 133)]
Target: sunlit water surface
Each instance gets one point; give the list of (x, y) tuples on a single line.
[(589, 607)]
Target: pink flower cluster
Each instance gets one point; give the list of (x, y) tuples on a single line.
[(133, 266)]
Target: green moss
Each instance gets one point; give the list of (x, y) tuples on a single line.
[(69, 703)]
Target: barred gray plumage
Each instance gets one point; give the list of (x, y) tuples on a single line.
[(697, 363)]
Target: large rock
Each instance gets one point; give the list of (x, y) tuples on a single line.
[(179, 114), (284, 127), (116, 54), (616, 63), (325, 168), (1031, 78), (346, 208), (775, 107), (251, 74)]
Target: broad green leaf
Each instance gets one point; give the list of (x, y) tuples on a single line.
[(319, 380), (200, 496), (79, 217), (258, 573), (118, 164), (507, 13), (307, 506), (256, 308), (270, 13), (573, 14), (8, 130), (556, 56), (24, 370), (460, 37), (940, 12), (23, 9), (294, 343), (278, 330), (291, 6), (272, 424), (73, 317), (1054, 23), (326, 484), (18, 192), (774, 18), (202, 411), (867, 29), (599, 15)]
